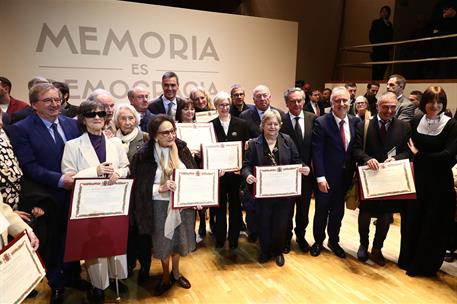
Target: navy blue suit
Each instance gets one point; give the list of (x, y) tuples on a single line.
[(40, 159), (331, 160)]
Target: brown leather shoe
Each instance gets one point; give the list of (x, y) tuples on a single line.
[(377, 257)]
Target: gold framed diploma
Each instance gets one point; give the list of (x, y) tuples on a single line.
[(391, 180), (196, 187), (94, 197), (195, 134), (21, 270), (227, 156), (206, 116), (277, 181)]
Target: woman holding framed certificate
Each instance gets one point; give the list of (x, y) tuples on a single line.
[(172, 230), (430, 217), (227, 129), (95, 155), (271, 148)]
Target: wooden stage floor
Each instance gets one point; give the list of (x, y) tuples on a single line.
[(225, 276)]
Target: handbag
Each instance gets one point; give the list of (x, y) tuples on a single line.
[(352, 195)]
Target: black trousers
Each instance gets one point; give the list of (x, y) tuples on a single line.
[(382, 227), (272, 217), (301, 204), (139, 247), (229, 191)]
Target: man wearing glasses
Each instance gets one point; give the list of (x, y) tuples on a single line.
[(139, 99), (238, 105), (38, 141)]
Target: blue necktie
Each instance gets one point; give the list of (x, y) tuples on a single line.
[(57, 138)]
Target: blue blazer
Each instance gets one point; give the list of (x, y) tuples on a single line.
[(328, 154), (36, 150)]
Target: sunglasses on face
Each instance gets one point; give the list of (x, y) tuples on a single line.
[(100, 114)]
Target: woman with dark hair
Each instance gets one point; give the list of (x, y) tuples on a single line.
[(271, 148), (94, 155), (172, 230), (430, 217), (185, 111)]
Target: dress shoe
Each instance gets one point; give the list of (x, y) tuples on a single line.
[(181, 281), (95, 295), (337, 250), (122, 287), (316, 249), (377, 257), (163, 287), (303, 244), (57, 296), (280, 260), (362, 253), (263, 258), (143, 275), (286, 248)]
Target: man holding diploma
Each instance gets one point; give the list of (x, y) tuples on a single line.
[(385, 140)]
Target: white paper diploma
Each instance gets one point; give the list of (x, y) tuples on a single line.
[(225, 156), (277, 181), (392, 178), (195, 187), (20, 270), (195, 134), (95, 198), (205, 116)]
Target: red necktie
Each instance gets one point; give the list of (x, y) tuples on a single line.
[(383, 130), (318, 111), (342, 134)]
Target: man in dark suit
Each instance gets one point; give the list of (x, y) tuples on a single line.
[(370, 95), (332, 141), (238, 105), (352, 89), (298, 124), (261, 96), (67, 109), (405, 108), (167, 102), (39, 141), (314, 106), (9, 104), (138, 97), (381, 30), (385, 140)]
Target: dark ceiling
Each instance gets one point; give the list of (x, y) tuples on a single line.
[(221, 6)]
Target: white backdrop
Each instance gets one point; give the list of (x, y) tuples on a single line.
[(115, 45)]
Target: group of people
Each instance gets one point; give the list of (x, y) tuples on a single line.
[(54, 142)]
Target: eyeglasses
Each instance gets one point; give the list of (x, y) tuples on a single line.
[(224, 105), (100, 114), (51, 99), (167, 132)]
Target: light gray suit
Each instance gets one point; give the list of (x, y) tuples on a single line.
[(405, 109)]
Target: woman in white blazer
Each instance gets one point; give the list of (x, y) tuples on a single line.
[(95, 155)]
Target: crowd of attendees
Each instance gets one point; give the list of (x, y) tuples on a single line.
[(45, 144)]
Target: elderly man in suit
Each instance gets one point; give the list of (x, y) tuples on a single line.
[(298, 124), (261, 96), (138, 97), (385, 140), (39, 141), (167, 103), (405, 108), (332, 142)]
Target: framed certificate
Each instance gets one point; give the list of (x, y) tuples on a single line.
[(392, 179), (196, 187), (206, 116), (21, 270), (277, 181), (195, 134), (95, 198), (225, 156)]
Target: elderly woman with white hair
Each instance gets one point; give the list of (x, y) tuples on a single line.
[(361, 108), (228, 128), (271, 148)]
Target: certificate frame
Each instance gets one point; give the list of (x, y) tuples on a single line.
[(235, 148), (205, 116), (22, 243), (182, 177), (261, 173), (394, 193), (82, 184), (191, 134)]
